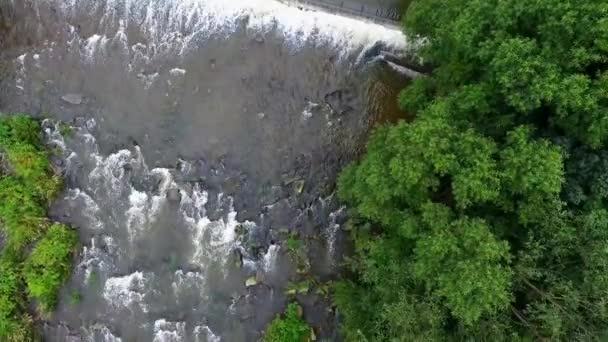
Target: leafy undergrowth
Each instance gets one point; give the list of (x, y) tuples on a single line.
[(290, 328), (36, 255)]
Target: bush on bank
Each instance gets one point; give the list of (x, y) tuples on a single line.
[(288, 328), (35, 259)]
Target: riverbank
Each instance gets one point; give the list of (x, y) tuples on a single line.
[(35, 253)]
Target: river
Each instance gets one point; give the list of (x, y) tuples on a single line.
[(202, 132)]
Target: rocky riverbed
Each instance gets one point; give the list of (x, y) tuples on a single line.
[(200, 141)]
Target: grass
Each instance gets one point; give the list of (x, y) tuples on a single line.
[(36, 258)]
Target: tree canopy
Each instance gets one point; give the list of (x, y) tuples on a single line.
[(485, 217)]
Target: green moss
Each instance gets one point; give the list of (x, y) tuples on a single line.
[(27, 186), (11, 303), (75, 298), (293, 243), (289, 328)]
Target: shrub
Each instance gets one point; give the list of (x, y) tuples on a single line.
[(290, 328), (48, 266), (27, 186)]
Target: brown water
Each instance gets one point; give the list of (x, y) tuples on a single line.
[(194, 120)]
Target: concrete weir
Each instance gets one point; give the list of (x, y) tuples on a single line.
[(383, 12)]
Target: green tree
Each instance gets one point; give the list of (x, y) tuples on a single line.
[(485, 217)]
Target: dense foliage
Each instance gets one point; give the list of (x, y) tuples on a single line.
[(290, 328), (486, 217), (35, 256)]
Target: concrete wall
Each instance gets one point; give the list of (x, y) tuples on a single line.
[(386, 12)]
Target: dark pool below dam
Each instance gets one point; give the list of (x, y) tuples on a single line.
[(203, 133)]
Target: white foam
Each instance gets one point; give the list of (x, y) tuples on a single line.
[(90, 209), (93, 46), (270, 258), (165, 331), (109, 172), (52, 134), (212, 239), (177, 72), (137, 214), (100, 333), (308, 110), (332, 230), (202, 333), (94, 259), (147, 80), (166, 183), (19, 84), (173, 26), (125, 291), (184, 281)]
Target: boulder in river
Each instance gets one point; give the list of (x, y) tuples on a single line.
[(174, 195), (238, 258), (74, 99), (298, 186), (251, 281)]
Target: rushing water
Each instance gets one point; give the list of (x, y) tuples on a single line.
[(203, 130)]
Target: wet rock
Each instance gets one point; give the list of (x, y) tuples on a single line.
[(303, 265), (238, 258), (280, 214), (74, 99), (298, 186), (58, 162), (284, 231), (231, 185), (259, 38), (302, 288), (47, 124), (273, 194), (260, 276), (288, 178), (373, 51), (246, 215), (240, 230), (251, 281), (174, 195), (339, 101), (261, 115)]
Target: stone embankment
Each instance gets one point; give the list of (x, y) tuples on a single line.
[(375, 11)]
